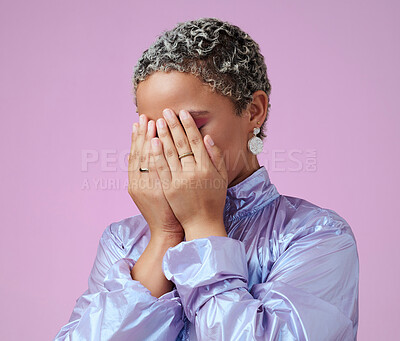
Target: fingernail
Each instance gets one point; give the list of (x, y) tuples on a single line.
[(184, 114), (134, 129), (160, 123), (210, 140), (141, 119), (168, 113)]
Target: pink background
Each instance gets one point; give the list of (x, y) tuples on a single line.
[(65, 95)]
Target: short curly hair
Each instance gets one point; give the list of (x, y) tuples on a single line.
[(217, 52)]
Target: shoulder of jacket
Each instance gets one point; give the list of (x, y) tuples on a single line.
[(302, 217)]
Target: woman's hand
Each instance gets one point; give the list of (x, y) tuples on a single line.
[(195, 185), (145, 188)]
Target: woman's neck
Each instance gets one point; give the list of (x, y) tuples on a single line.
[(245, 172)]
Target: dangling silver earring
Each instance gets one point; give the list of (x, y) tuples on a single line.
[(255, 144)]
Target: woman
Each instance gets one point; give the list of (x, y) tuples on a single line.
[(216, 253)]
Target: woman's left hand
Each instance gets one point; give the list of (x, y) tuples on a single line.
[(195, 186)]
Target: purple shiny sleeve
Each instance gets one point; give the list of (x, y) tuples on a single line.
[(300, 299), (116, 307)]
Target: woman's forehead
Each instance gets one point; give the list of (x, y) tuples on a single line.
[(173, 85), (175, 90)]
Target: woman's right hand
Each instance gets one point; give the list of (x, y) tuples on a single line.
[(145, 187)]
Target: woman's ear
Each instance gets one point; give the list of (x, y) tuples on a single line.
[(258, 109)]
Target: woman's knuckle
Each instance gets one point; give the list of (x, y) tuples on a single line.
[(174, 124), (169, 152), (135, 154), (161, 167), (162, 134), (143, 158), (180, 143), (195, 140)]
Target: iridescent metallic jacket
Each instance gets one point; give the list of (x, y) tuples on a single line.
[(287, 271)]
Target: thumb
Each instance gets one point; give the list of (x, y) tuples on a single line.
[(216, 156)]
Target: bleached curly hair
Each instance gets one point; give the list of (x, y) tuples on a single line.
[(218, 53)]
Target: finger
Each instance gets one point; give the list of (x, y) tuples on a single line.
[(160, 162), (216, 156), (134, 152), (154, 179), (195, 138), (136, 147), (141, 139), (179, 136), (151, 132), (153, 174), (168, 146)]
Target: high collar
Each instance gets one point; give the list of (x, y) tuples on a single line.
[(248, 195)]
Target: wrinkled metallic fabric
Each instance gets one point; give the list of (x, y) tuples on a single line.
[(288, 270)]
